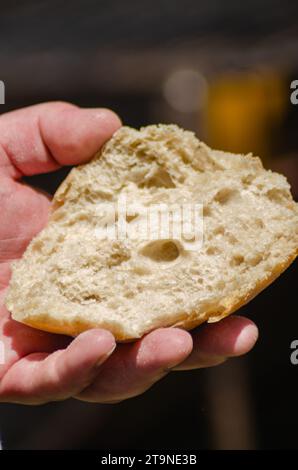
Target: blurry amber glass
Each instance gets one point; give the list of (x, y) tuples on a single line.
[(243, 110)]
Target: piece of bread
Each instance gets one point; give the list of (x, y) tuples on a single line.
[(70, 280)]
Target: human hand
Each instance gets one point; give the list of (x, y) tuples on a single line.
[(40, 367)]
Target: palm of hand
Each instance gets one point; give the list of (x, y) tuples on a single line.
[(24, 213), (19, 207)]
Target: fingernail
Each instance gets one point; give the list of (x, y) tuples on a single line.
[(105, 356)]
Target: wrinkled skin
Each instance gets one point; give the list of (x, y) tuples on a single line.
[(41, 367)]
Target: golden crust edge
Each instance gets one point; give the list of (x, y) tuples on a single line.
[(186, 321)]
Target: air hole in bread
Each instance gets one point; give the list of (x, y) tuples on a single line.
[(213, 250), (277, 195), (37, 245), (77, 294), (160, 178), (255, 260), (90, 298), (231, 239), (118, 257), (130, 217), (226, 195), (129, 294), (237, 260), (219, 230), (207, 212), (259, 223), (247, 180), (161, 251)]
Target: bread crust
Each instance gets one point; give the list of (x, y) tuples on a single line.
[(186, 322)]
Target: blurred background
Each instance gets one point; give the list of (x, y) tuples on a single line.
[(224, 70)]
